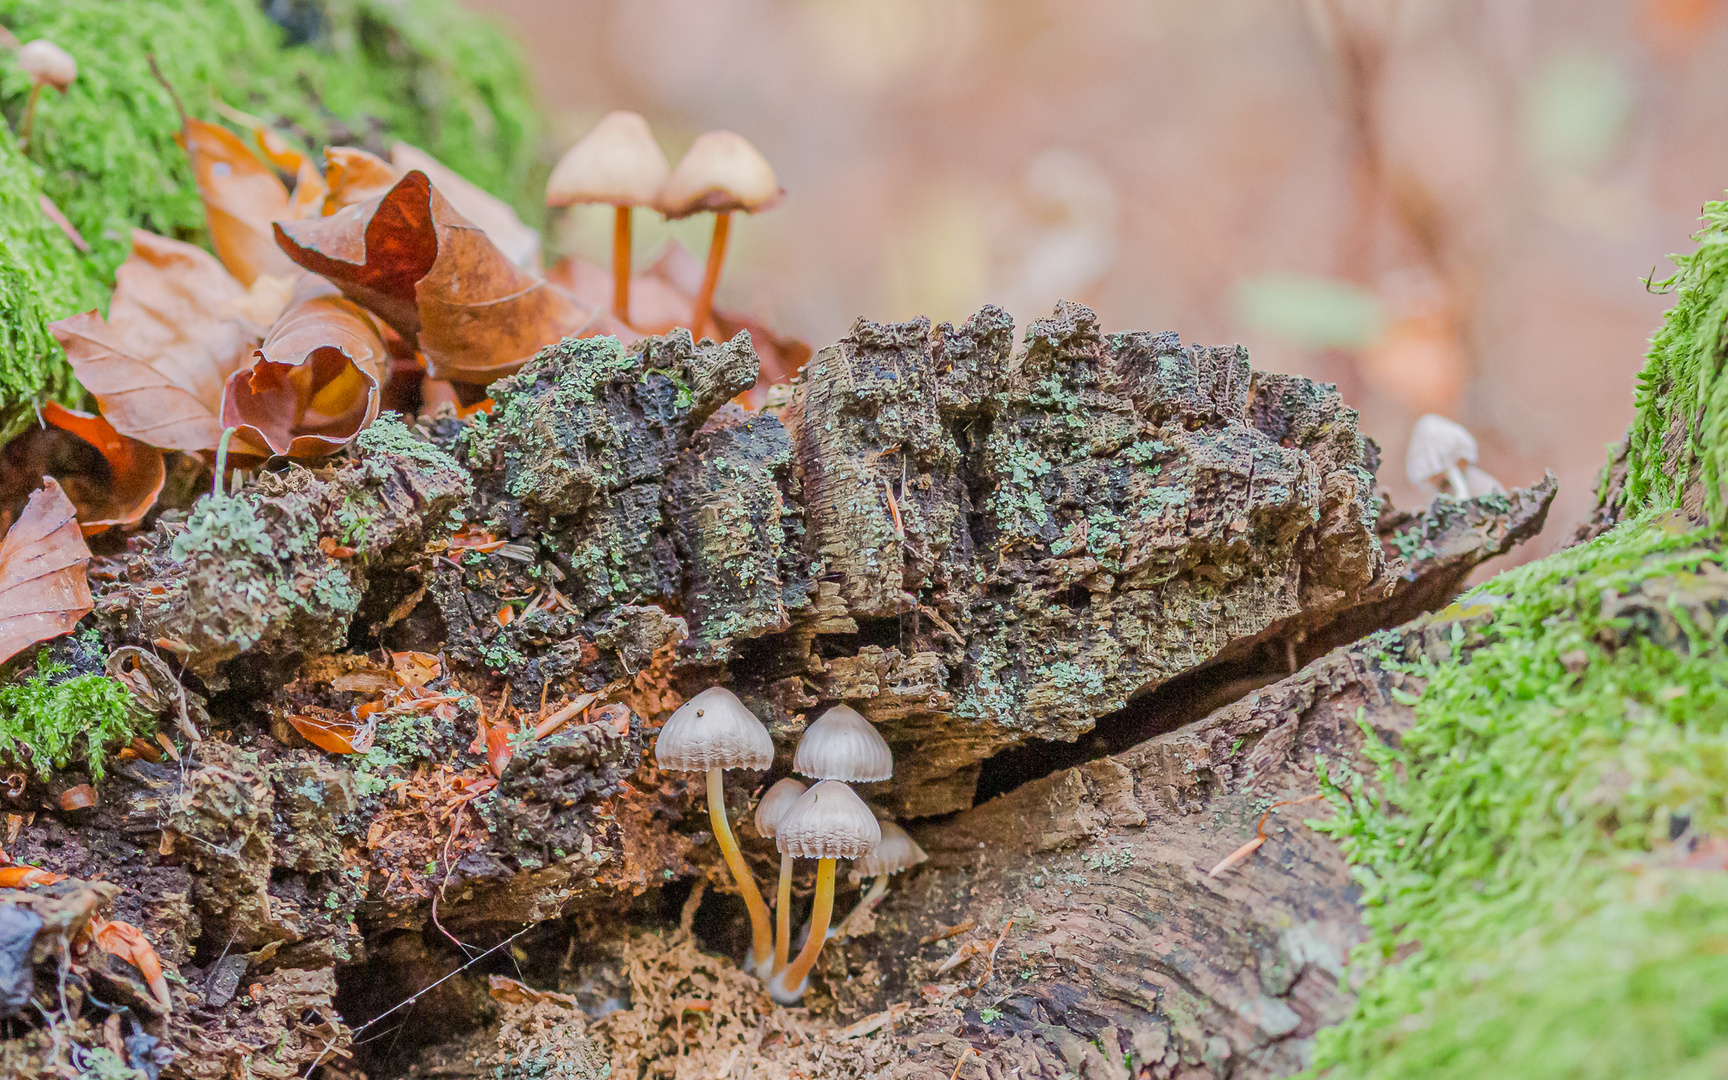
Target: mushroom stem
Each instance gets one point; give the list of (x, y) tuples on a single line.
[(762, 937), (711, 279), (621, 263), (783, 916), (793, 977), (1455, 477), (878, 889), (29, 117)]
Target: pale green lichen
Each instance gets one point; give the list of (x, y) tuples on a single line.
[(59, 720), (1519, 834)]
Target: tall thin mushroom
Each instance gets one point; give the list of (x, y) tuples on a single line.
[(827, 823), (47, 64), (618, 162), (775, 802), (710, 733), (896, 852), (720, 173)]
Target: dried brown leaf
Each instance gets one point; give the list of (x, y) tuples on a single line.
[(43, 591), (496, 218), (353, 176), (242, 199), (315, 383), (136, 472)]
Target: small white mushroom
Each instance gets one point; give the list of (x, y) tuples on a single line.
[(775, 802), (619, 163), (47, 64), (828, 822), (721, 173), (710, 733), (842, 745), (895, 852), (1439, 449)]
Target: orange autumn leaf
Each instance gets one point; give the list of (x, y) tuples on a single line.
[(135, 472), (335, 736), (314, 385), (309, 190), (43, 591), (19, 877), (123, 941), (177, 328), (242, 199), (415, 668), (428, 271), (498, 748), (352, 176)]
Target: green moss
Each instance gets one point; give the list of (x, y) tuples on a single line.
[(41, 279), (1518, 835), (60, 719), (1681, 390), (373, 71)]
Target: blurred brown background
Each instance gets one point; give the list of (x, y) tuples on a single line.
[(1441, 205)]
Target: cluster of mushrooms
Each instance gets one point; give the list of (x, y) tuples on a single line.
[(1442, 453), (713, 732), (619, 163)]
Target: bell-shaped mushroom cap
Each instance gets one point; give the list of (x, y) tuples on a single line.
[(720, 172), (618, 162), (775, 802), (48, 62), (713, 730), (842, 745), (829, 821), (895, 852), (1436, 445)]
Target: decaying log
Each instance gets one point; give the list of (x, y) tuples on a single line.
[(1122, 951)]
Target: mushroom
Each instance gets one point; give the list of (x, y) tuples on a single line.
[(775, 802), (710, 733), (842, 745), (618, 162), (47, 64), (827, 823), (896, 852), (1441, 448), (721, 173)]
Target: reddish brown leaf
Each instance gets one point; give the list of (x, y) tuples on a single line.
[(123, 941), (427, 270), (374, 251), (519, 243), (78, 797), (43, 592), (242, 198), (136, 472), (315, 383), (498, 748)]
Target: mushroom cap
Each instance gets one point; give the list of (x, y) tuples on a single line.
[(842, 745), (42, 59), (1436, 444), (896, 851), (617, 162), (775, 802), (829, 821), (713, 730), (720, 172)]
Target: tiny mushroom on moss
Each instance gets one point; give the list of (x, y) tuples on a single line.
[(617, 162), (897, 851), (775, 802), (842, 745), (47, 64), (721, 173), (710, 733), (827, 823)]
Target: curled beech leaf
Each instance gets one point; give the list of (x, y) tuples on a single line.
[(315, 383), (136, 472)]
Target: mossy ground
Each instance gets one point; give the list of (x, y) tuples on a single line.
[(369, 72), (60, 714)]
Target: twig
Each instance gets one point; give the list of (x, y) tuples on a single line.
[(1259, 836), (964, 1054), (990, 960)]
